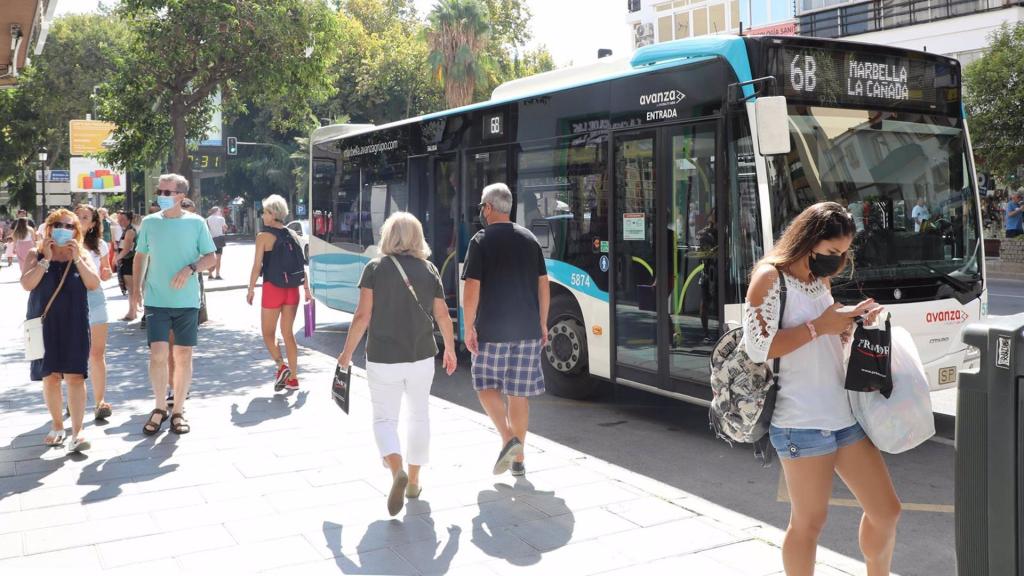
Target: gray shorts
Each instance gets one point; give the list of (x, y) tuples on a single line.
[(512, 367)]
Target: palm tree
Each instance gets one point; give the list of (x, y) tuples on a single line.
[(457, 35)]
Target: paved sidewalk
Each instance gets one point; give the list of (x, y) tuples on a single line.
[(288, 484)]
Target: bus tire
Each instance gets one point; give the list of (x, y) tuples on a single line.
[(565, 361)]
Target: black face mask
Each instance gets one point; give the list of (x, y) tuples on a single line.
[(824, 265)]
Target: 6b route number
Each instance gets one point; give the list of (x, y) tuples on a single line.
[(803, 77)]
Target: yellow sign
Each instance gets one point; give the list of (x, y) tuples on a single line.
[(87, 136)]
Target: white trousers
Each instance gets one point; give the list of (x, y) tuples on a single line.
[(387, 384)]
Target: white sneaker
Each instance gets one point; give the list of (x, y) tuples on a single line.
[(77, 445)]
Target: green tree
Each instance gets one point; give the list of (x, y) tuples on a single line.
[(506, 50), (382, 69), (458, 34), (994, 96), (274, 54), (57, 88)]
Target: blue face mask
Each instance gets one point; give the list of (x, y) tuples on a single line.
[(165, 202), (62, 236)]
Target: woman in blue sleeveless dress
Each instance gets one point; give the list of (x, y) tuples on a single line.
[(58, 275)]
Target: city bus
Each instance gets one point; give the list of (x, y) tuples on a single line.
[(654, 182)]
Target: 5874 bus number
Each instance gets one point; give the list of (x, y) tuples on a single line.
[(580, 280)]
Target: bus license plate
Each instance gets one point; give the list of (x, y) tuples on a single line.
[(947, 375)]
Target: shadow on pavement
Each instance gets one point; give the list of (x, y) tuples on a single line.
[(507, 506), (33, 448), (264, 409), (375, 558)]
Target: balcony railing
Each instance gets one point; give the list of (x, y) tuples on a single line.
[(877, 15)]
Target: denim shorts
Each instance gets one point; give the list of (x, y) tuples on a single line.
[(791, 443)]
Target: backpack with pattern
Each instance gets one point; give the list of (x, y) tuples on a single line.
[(743, 391)]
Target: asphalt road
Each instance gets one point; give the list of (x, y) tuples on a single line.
[(670, 441)]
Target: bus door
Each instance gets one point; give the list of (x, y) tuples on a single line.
[(665, 252), (434, 201)]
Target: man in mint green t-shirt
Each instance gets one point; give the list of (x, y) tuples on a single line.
[(178, 244)]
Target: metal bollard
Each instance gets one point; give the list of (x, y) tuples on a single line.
[(989, 492)]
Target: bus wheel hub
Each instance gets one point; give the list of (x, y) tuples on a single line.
[(564, 345)]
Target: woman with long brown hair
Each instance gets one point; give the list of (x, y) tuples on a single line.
[(59, 276), (99, 251), (23, 238), (813, 428)]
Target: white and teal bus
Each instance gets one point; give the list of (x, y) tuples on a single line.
[(654, 183)]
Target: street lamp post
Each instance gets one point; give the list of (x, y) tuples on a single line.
[(42, 173)]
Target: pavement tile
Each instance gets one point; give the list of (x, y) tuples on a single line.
[(371, 562), (164, 545), (649, 511), (358, 537), (10, 545), (82, 560), (580, 497), (251, 558), (163, 567), (579, 559), (217, 513), (12, 522), (268, 466), (261, 486), (552, 533), (753, 557), (8, 469), (671, 539), (688, 564), (149, 502), (324, 495), (88, 533)]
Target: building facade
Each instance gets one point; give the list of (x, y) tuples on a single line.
[(23, 30), (955, 28), (661, 20)]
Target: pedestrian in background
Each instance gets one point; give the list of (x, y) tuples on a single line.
[(1015, 215), (813, 428), (99, 252), (59, 278), (110, 235), (506, 281), (23, 239), (217, 225), (178, 244), (400, 299), (126, 262), (279, 260)]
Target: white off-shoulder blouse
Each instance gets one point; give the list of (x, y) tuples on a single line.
[(811, 378)]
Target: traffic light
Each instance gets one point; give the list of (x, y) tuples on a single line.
[(232, 146)]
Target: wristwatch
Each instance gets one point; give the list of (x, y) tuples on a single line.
[(193, 267)]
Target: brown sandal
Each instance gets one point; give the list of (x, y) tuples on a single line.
[(179, 425), (150, 427)]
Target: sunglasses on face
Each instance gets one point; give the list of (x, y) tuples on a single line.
[(64, 225), (162, 192), (187, 205)]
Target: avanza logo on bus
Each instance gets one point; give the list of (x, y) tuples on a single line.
[(946, 317)]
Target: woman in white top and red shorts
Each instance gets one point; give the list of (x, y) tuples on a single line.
[(813, 428)]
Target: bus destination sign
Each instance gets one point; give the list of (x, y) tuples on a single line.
[(836, 77)]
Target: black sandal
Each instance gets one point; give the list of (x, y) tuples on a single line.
[(150, 427), (179, 425)]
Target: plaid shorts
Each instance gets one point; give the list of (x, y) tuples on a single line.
[(512, 367)]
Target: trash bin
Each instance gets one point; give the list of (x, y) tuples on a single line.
[(990, 452)]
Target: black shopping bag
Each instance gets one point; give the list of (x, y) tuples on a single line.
[(339, 390), (870, 366)]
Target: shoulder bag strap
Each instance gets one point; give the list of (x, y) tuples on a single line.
[(411, 289), (57, 291), (782, 312)]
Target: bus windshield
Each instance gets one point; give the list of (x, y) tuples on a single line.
[(904, 177)]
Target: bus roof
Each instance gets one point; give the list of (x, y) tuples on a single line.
[(657, 56)]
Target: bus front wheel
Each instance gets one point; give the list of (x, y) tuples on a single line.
[(565, 363)]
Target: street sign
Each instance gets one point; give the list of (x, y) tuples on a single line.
[(54, 176), (88, 136)]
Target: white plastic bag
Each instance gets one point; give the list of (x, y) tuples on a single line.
[(904, 420)]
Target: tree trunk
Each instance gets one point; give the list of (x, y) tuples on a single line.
[(179, 159)]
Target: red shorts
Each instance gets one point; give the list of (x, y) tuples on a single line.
[(275, 297)]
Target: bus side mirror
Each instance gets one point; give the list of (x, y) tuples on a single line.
[(772, 125)]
